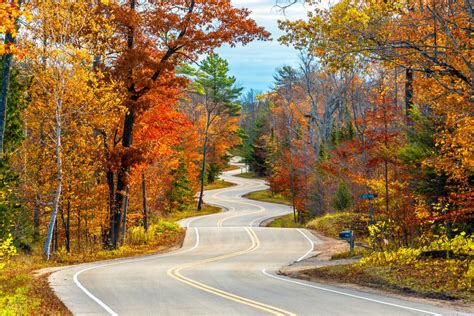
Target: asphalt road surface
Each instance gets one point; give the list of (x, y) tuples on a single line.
[(225, 267)]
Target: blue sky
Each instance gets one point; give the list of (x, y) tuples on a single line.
[(254, 65)]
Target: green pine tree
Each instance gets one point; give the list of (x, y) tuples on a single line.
[(343, 199)]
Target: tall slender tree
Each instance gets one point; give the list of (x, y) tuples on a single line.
[(220, 97)]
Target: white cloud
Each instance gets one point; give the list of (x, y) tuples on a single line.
[(254, 65)]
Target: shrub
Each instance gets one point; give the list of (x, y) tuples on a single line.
[(164, 226), (137, 236), (461, 244), (406, 267), (402, 256), (7, 250)]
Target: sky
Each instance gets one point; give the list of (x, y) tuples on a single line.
[(254, 64)]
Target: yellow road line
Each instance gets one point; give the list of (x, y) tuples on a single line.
[(261, 209), (222, 220), (176, 274)]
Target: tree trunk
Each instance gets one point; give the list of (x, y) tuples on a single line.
[(109, 236), (68, 227), (124, 215), (385, 118), (386, 187), (56, 237), (78, 229), (59, 177), (204, 155), (293, 193), (127, 136), (36, 218), (408, 94), (7, 60), (122, 185), (145, 208)]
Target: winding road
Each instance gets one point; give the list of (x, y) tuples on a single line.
[(226, 267)]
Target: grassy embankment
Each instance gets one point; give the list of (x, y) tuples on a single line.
[(23, 292), (232, 167), (249, 175), (218, 184), (403, 270), (268, 196), (206, 210)]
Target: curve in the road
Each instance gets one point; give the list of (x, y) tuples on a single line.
[(225, 267)]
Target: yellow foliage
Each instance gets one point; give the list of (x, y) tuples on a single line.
[(7, 250)]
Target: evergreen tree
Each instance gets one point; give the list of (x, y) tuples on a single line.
[(221, 99), (343, 199), (181, 194), (12, 214)]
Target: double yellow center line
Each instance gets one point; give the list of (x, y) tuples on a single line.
[(176, 274)]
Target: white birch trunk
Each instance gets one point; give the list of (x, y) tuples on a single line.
[(59, 176)]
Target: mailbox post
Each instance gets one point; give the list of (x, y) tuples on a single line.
[(369, 197), (348, 236)]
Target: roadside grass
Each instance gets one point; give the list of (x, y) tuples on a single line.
[(249, 175), (413, 271), (357, 252), (23, 292), (286, 221), (232, 167), (206, 210), (268, 196), (331, 224), (218, 184), (421, 281)]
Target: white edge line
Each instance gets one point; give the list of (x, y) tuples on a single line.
[(310, 241), (97, 300), (347, 294), (267, 217)]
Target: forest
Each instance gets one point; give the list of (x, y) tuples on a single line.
[(373, 132), (110, 129)]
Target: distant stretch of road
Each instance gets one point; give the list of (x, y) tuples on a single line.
[(226, 267)]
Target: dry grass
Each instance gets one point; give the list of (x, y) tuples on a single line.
[(206, 210), (331, 224), (249, 175), (286, 221), (268, 196), (232, 167), (22, 292), (218, 184), (385, 278)]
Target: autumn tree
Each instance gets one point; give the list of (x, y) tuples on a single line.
[(425, 43), (219, 96), (160, 36), (71, 103)]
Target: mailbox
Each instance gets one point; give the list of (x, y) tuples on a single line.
[(348, 236)]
